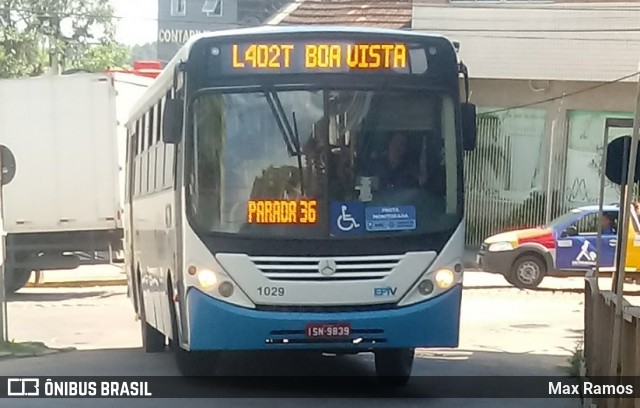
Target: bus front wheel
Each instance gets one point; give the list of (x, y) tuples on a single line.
[(393, 367), (190, 363)]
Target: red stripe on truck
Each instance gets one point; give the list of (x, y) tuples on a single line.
[(545, 238)]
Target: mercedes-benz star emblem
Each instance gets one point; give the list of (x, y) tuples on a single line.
[(327, 267)]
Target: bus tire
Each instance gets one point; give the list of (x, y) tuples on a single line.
[(527, 271), (394, 366), (15, 279), (153, 341), (190, 363)]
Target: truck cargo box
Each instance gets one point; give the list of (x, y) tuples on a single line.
[(61, 131)]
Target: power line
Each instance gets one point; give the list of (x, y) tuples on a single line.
[(116, 17), (540, 37), (564, 95), (355, 3)]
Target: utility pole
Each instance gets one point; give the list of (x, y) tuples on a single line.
[(52, 24), (548, 203), (4, 331)]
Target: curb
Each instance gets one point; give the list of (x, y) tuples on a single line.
[(29, 349), (78, 284)]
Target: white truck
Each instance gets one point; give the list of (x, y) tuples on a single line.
[(60, 170)]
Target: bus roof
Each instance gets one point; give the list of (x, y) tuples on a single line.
[(238, 32), (164, 81)]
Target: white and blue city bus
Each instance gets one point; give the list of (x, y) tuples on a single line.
[(300, 188)]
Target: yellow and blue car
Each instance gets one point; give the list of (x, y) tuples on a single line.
[(567, 246)]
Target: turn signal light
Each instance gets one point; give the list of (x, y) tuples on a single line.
[(192, 270)]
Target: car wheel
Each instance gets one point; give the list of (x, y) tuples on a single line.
[(509, 279), (527, 272)]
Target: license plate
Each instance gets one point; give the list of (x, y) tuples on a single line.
[(328, 330)]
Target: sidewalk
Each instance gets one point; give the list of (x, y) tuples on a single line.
[(84, 276)]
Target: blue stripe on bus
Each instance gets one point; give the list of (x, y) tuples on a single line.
[(216, 325)]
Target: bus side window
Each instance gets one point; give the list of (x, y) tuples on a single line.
[(167, 180), (144, 157), (138, 159), (136, 176), (168, 165), (159, 182), (153, 152), (129, 174)]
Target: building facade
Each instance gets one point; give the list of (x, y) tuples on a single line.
[(180, 19), (546, 76)]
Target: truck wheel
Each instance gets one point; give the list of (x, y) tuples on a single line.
[(153, 341), (393, 367), (15, 279), (527, 272)]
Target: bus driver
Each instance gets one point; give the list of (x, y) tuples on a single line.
[(398, 171)]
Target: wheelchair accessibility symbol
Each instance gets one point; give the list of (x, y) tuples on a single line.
[(345, 221), (347, 217)]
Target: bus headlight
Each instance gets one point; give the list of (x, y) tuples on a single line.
[(444, 278), (207, 278)]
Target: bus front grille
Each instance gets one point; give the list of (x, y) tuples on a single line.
[(326, 269)]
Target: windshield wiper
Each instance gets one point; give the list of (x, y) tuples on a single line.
[(298, 151), (281, 120), (289, 133)]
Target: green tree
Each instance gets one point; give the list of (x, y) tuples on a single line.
[(79, 33), (144, 52)]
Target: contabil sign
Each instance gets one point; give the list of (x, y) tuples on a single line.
[(176, 36)]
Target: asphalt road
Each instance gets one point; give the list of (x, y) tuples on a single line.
[(505, 332)]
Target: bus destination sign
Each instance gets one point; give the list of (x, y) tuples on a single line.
[(314, 57), (287, 212)]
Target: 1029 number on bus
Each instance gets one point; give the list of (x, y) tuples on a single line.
[(273, 291)]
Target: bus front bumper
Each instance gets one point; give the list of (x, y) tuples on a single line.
[(216, 325)]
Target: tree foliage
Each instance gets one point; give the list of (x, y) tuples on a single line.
[(80, 32), (144, 52)]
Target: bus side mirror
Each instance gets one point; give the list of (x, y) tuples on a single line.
[(172, 121), (469, 127)]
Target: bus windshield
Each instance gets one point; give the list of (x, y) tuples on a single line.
[(322, 163)]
